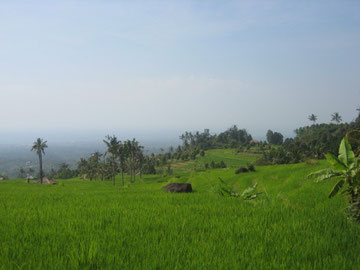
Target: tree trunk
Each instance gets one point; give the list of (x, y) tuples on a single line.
[(41, 171), (122, 176)]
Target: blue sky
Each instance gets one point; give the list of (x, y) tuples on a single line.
[(116, 66)]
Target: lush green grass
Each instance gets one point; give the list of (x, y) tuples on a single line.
[(230, 156), (93, 225)]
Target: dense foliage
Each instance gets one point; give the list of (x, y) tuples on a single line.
[(275, 138), (313, 141), (231, 138), (120, 157)]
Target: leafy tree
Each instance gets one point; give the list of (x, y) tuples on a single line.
[(169, 171), (269, 135), (39, 147), (222, 164), (21, 172), (83, 166), (31, 171), (312, 118), (277, 138), (274, 137), (64, 172), (346, 170), (93, 169), (335, 117)]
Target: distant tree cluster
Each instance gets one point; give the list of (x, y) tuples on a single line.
[(120, 157), (313, 141), (231, 138), (274, 137), (64, 172), (215, 165)]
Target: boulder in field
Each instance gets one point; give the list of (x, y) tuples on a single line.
[(241, 170), (47, 181), (178, 187)]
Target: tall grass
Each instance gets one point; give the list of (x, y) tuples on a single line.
[(91, 225)]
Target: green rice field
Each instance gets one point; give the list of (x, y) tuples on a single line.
[(78, 224)]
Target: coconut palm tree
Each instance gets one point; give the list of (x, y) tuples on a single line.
[(93, 167), (312, 118), (134, 152), (112, 145), (336, 118), (122, 155), (39, 147)]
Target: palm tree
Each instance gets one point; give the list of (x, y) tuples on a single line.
[(133, 161), (93, 167), (313, 118), (39, 147), (112, 145), (336, 117), (122, 155)]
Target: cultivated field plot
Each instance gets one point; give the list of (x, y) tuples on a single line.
[(230, 156), (79, 224)]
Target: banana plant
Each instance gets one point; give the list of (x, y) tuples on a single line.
[(346, 170), (225, 189)]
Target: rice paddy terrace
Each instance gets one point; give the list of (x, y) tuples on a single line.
[(78, 224)]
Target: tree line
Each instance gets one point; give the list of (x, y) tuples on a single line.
[(312, 142), (127, 157)]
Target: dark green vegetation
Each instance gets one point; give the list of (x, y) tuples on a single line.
[(313, 141), (345, 169), (91, 225)]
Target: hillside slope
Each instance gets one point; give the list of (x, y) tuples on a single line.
[(91, 225)]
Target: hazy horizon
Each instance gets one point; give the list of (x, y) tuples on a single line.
[(154, 69)]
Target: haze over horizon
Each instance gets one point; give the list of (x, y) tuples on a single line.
[(78, 70)]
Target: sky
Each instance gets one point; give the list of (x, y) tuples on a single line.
[(158, 68)]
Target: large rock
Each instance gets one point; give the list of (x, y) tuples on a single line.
[(47, 181), (178, 187), (241, 170)]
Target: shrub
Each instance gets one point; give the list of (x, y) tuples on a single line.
[(251, 168), (222, 164)]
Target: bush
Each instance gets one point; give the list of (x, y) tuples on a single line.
[(251, 168)]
